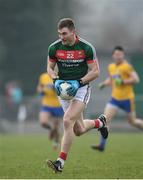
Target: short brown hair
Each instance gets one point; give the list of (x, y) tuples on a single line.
[(118, 48), (66, 22)]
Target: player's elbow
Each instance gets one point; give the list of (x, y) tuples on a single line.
[(136, 80)]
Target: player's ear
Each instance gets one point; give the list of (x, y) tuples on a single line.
[(73, 31)]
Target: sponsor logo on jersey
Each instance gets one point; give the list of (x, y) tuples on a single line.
[(74, 55), (71, 60)]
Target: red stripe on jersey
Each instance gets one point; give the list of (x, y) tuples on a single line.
[(60, 54), (91, 61), (75, 54), (52, 60)]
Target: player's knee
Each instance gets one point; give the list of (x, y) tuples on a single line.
[(44, 124), (42, 121), (67, 121)]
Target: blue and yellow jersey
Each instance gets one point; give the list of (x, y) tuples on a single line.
[(123, 70), (49, 97)]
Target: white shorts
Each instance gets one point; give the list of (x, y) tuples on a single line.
[(83, 95)]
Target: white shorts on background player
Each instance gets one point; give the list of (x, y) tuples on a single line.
[(83, 95)]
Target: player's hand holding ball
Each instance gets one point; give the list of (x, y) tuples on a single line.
[(67, 89), (72, 90), (57, 83)]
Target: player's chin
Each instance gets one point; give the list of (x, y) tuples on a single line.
[(64, 42)]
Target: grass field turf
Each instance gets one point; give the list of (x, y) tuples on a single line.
[(23, 156)]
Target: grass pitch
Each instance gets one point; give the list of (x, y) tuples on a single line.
[(23, 156)]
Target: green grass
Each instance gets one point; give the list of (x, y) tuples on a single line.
[(24, 157)]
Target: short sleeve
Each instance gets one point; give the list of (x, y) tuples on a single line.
[(130, 68), (52, 54), (41, 80), (90, 55)]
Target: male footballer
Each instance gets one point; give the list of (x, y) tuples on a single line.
[(77, 64), (122, 77)]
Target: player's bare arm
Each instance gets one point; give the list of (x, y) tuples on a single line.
[(50, 69), (39, 88), (133, 78), (92, 74), (106, 82)]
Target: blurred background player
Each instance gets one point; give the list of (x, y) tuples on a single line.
[(14, 97), (122, 78), (51, 111)]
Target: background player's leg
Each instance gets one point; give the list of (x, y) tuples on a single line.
[(135, 121), (46, 121), (44, 118), (56, 132), (110, 111)]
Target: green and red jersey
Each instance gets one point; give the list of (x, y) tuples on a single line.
[(72, 61)]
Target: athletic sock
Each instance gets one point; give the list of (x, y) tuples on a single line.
[(62, 158), (98, 123), (102, 142)]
